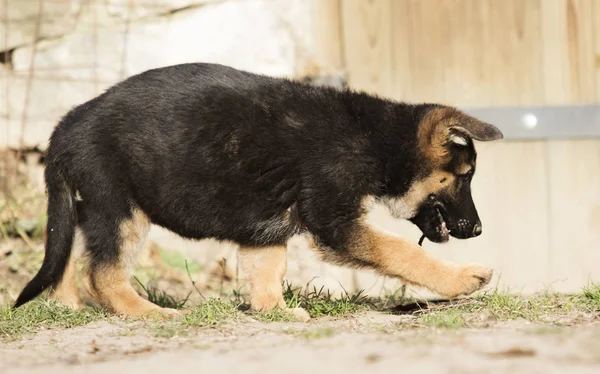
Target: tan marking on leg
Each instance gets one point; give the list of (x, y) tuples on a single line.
[(111, 284), (86, 279), (66, 292), (114, 291), (264, 268), (395, 256)]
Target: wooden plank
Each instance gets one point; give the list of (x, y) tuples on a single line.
[(574, 181), (596, 33), (435, 56), (366, 35), (574, 165), (568, 49), (467, 52), (328, 36)]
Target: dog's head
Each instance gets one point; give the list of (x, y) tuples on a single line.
[(439, 199)]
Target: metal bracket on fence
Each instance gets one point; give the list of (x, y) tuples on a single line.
[(543, 122)]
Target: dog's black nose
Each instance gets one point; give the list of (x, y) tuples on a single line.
[(477, 229)]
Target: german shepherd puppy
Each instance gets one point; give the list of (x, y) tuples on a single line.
[(208, 151)]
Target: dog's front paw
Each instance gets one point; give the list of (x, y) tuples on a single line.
[(300, 314), (266, 302), (466, 279), (163, 313)]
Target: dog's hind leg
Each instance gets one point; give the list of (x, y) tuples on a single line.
[(264, 268), (114, 243), (66, 291)]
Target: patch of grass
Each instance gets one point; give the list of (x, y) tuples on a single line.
[(539, 307), (161, 298), (498, 306), (275, 315), (445, 319), (210, 314), (591, 297), (41, 313), (319, 303), (508, 307), (504, 307)]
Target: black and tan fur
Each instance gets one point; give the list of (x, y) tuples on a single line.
[(208, 151)]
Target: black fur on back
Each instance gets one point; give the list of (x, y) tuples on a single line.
[(208, 151)]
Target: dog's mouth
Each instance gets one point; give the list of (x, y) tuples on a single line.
[(433, 221), (441, 226), (439, 220)]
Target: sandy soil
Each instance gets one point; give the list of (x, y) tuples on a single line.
[(371, 342)]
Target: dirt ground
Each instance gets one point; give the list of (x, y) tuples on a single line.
[(369, 342)]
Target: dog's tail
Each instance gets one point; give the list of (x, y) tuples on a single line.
[(62, 219)]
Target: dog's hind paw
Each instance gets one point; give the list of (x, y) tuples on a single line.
[(168, 312)]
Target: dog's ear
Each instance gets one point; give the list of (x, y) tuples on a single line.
[(475, 129), (442, 124)]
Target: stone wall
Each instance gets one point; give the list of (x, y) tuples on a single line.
[(73, 50)]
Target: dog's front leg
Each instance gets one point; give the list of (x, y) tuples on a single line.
[(394, 256), (264, 269)]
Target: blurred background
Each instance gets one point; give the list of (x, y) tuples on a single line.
[(532, 67)]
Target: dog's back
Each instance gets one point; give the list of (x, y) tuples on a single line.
[(226, 146)]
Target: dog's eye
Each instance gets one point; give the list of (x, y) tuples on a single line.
[(432, 197), (466, 175)]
